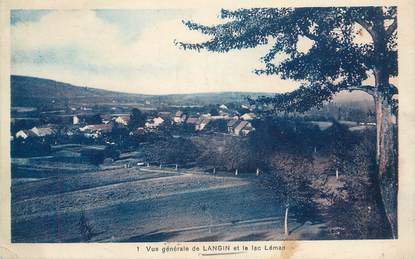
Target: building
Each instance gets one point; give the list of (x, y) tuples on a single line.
[(232, 124), (223, 107), (154, 123), (202, 122), (123, 120), (75, 120), (179, 117), (102, 128), (248, 116), (42, 132), (24, 134), (243, 128)]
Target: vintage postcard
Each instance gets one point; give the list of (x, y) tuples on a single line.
[(192, 129)]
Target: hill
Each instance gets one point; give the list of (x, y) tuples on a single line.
[(33, 92)]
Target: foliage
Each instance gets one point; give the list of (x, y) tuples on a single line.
[(291, 179), (137, 119), (214, 111), (85, 228), (174, 150), (360, 214), (335, 61), (288, 135), (30, 147), (228, 153), (338, 141)]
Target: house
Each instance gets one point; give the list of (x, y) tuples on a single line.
[(97, 128), (42, 132), (75, 120), (243, 128), (219, 117), (232, 124), (24, 134), (202, 122), (179, 117), (223, 107), (123, 120), (154, 123), (248, 116)]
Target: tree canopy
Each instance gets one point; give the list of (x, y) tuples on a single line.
[(337, 59)]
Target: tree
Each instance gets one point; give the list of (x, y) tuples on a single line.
[(337, 60), (358, 214), (174, 150), (214, 111), (138, 119), (291, 180), (339, 139), (85, 228)]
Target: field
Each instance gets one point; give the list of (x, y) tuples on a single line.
[(148, 204)]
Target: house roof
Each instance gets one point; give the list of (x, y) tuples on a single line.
[(28, 133), (41, 132), (248, 116), (97, 127), (242, 125), (124, 117)]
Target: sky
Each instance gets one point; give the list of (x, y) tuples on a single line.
[(131, 51)]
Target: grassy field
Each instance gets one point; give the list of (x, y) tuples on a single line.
[(148, 204)]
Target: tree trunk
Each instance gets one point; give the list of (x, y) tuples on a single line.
[(387, 158), (286, 221)]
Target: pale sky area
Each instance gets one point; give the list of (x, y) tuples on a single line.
[(131, 51)]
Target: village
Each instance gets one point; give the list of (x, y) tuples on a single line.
[(127, 130), (99, 129)]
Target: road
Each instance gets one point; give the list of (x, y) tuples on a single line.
[(147, 205)]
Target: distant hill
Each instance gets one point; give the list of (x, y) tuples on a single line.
[(34, 92)]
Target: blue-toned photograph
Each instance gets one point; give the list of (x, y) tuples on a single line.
[(190, 125)]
